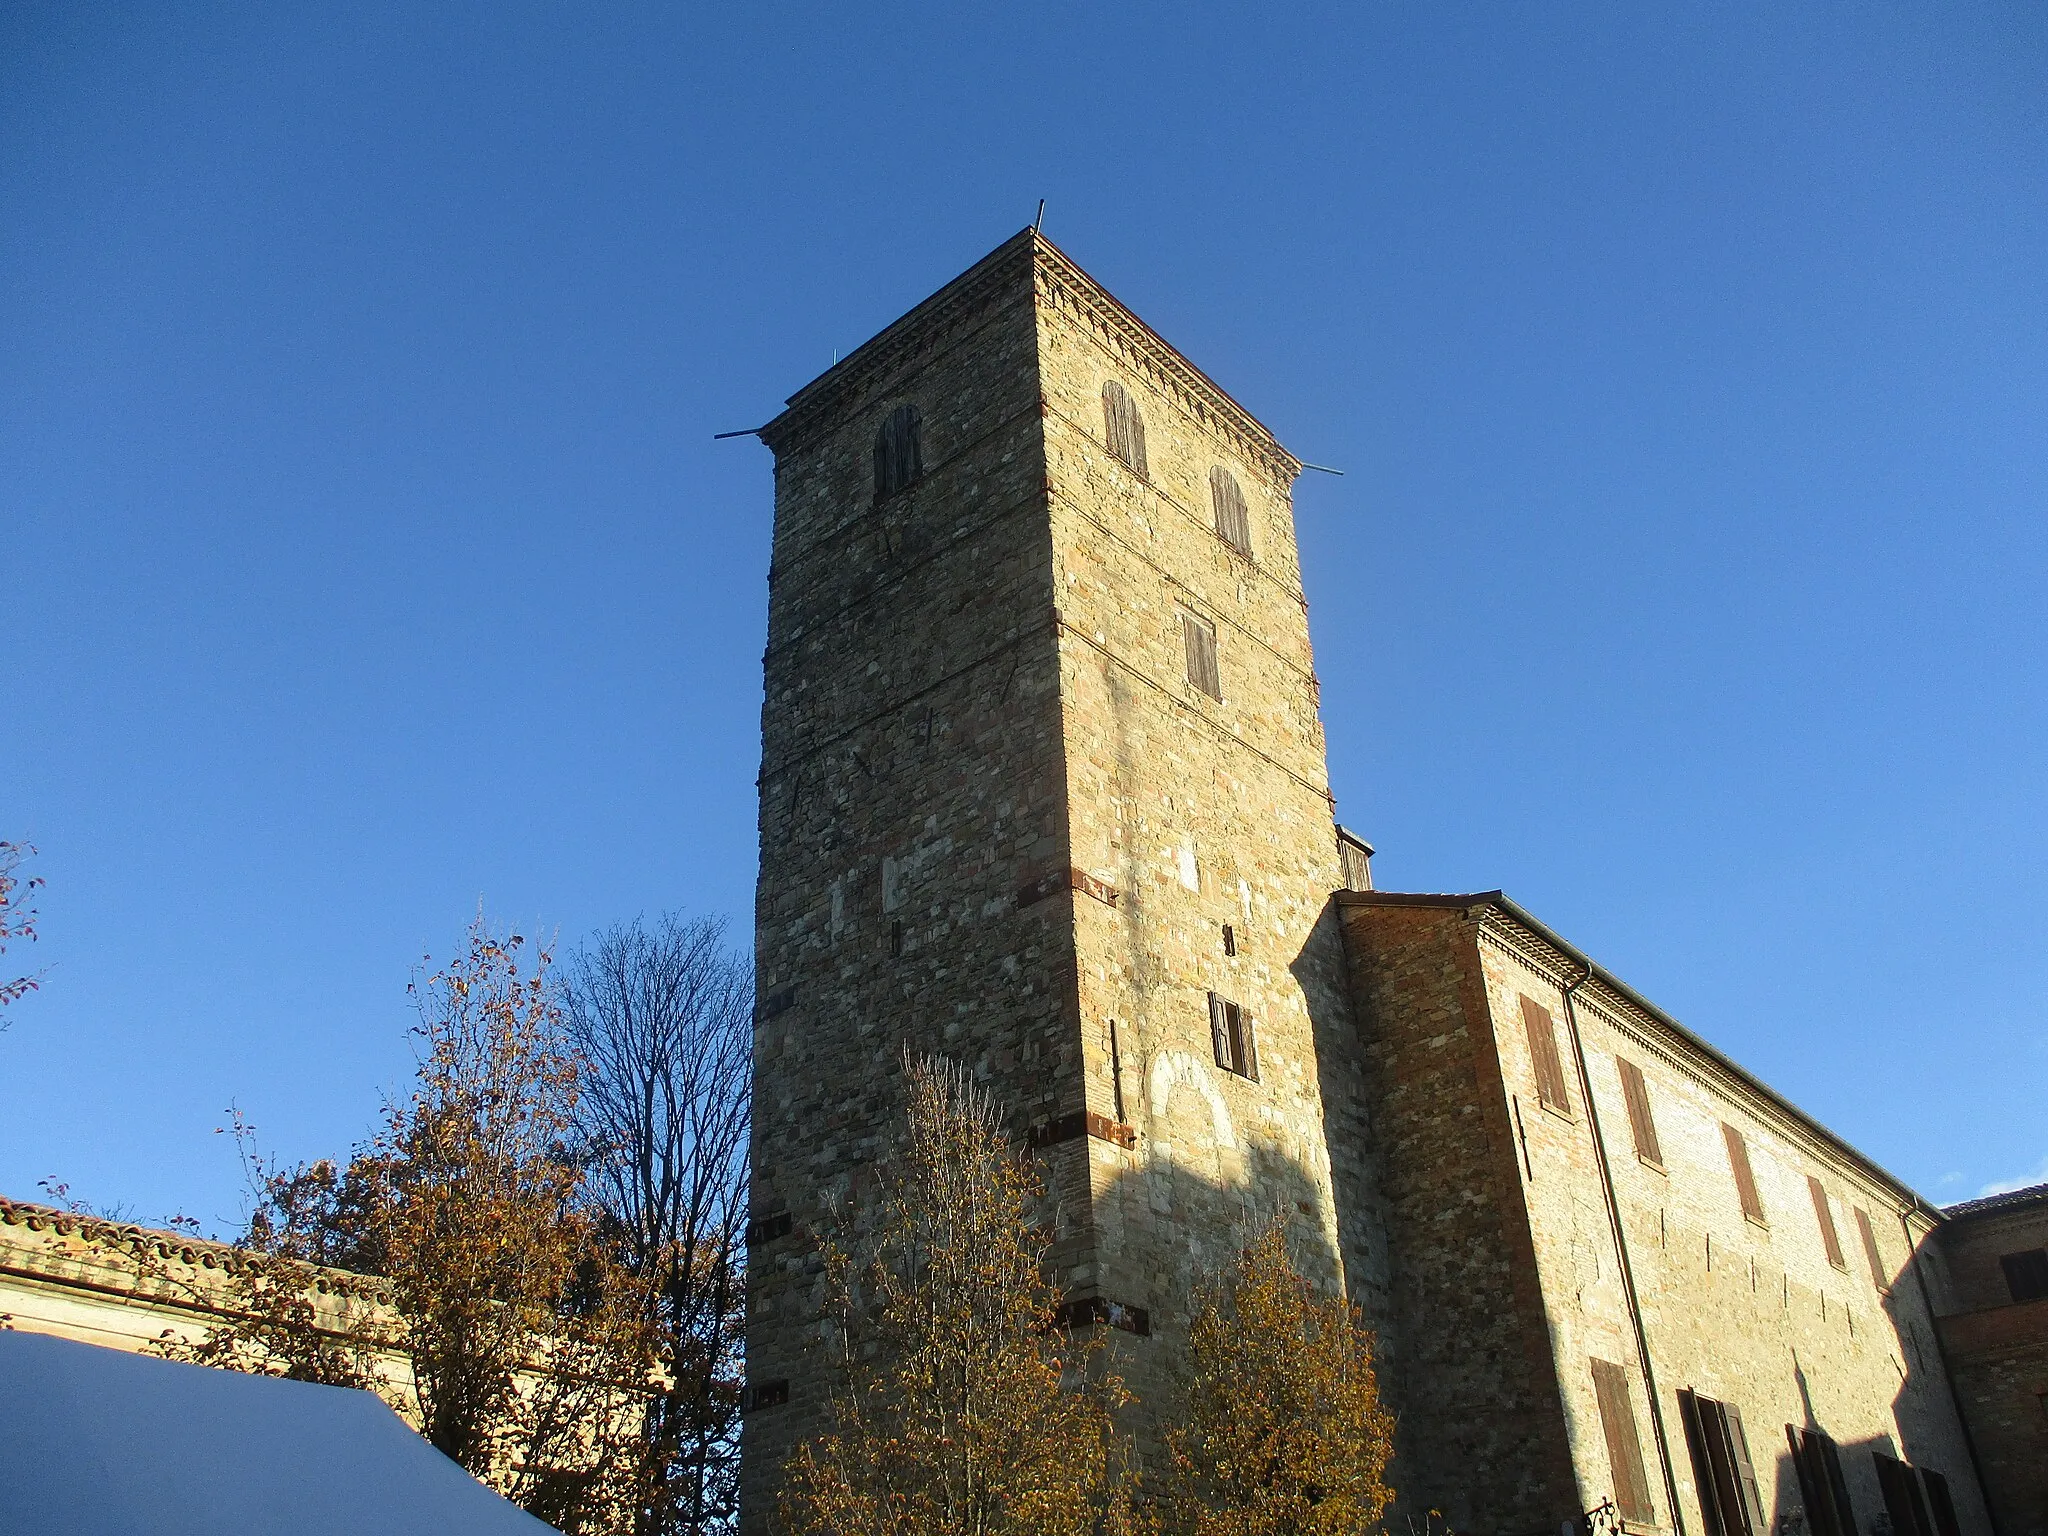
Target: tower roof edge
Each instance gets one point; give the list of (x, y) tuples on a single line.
[(1054, 278), (955, 300), (1067, 275)]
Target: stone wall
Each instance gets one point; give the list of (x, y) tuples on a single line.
[(1211, 817), (999, 822), (911, 786)]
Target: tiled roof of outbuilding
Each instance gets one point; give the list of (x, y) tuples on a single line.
[(2012, 1199)]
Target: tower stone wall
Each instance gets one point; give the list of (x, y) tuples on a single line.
[(911, 784), (1000, 821)]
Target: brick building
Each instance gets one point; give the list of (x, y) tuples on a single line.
[(1989, 1264), (1043, 788)]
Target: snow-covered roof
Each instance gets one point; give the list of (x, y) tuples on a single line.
[(100, 1442)]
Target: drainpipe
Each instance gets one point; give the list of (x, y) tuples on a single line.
[(1628, 1277)]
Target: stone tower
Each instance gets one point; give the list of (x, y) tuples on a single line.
[(1043, 789)]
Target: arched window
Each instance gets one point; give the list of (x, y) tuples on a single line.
[(899, 452), (1233, 522), (1123, 427)]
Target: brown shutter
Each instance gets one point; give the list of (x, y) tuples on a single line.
[(1724, 1471), (1902, 1500), (1745, 1473), (1838, 1485), (899, 451), (1822, 1517), (1219, 1030), (1939, 1504), (1199, 638), (1233, 521), (1624, 1449), (1745, 1180), (2026, 1273), (1698, 1441), (1550, 1085), (1249, 1054), (1878, 1275), (1123, 427), (1636, 1094), (1829, 1238)]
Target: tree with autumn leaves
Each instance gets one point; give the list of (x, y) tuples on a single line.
[(964, 1404), (576, 1349), (1283, 1431), (962, 1407), (560, 1274), (526, 1344)]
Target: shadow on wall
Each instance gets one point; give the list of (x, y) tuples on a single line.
[(1174, 1226), (1825, 1489)]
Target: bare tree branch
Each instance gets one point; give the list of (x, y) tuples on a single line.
[(662, 1020)]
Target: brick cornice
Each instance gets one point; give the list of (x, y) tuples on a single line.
[(1679, 1049), (1523, 938), (925, 328), (1058, 282), (1062, 284)]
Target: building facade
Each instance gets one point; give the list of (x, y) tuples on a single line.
[(1623, 1268), (1989, 1263), (1044, 789)]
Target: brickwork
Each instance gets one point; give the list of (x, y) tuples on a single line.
[(1997, 1351), (1465, 1347)]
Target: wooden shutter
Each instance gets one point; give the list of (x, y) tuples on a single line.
[(1704, 1482), (1902, 1500), (1745, 1473), (1745, 1179), (1123, 427), (1550, 1084), (899, 451), (1939, 1504), (1199, 637), (1233, 521), (1828, 1236), (1838, 1485), (1716, 1474), (1230, 1037), (1878, 1275), (1824, 1516), (1636, 1094), (1624, 1449)]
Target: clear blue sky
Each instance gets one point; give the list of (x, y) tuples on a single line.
[(367, 554)]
